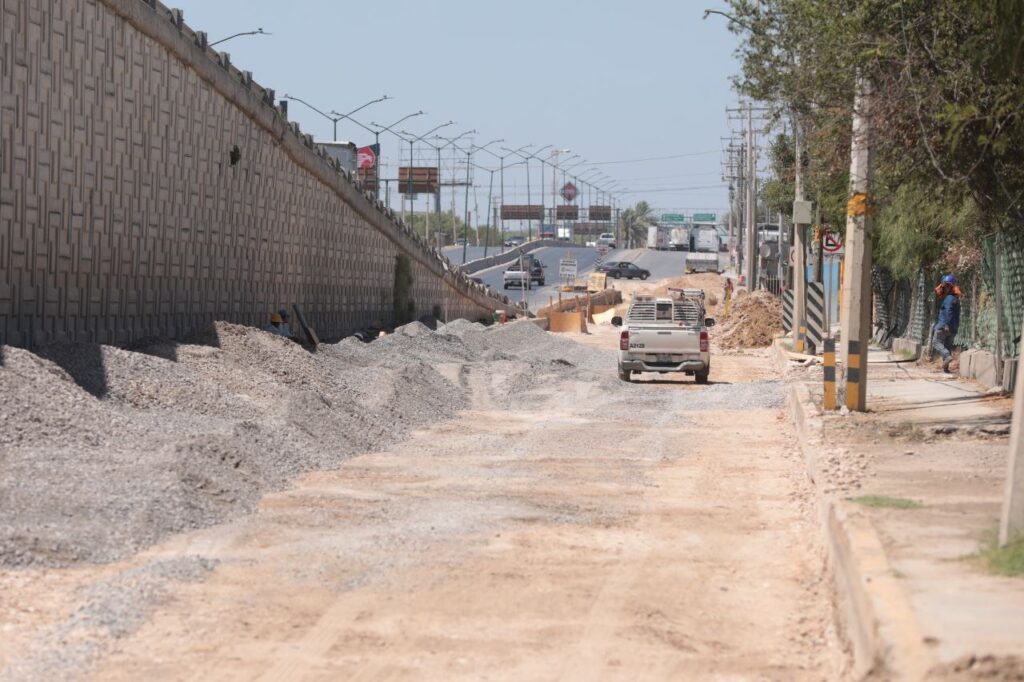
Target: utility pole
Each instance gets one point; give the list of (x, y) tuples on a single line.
[(855, 314), (801, 221), (751, 222), (1011, 525)]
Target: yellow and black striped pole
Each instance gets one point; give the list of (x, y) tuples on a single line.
[(829, 402)]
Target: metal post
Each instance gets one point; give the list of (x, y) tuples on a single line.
[(437, 196), (490, 212), (855, 316), (801, 215), (751, 205), (1011, 524), (501, 236), (465, 224), (529, 202)]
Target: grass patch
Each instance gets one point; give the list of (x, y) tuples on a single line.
[(903, 355), (907, 431), (1007, 560), (886, 502)]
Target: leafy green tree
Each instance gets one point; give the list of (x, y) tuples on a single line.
[(635, 222)]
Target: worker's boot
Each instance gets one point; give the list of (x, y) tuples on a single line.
[(945, 364)]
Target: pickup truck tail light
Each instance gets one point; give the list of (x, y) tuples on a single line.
[(624, 340), (703, 341)]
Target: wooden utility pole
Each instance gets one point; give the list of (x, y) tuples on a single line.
[(855, 313), (1011, 525), (751, 205), (801, 221)]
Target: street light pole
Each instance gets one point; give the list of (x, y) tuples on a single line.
[(465, 224), (389, 128), (413, 140)]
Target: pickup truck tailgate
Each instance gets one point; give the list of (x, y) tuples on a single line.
[(663, 340)]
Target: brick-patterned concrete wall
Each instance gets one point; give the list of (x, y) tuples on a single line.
[(122, 215)]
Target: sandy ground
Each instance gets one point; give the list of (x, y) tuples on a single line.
[(658, 533)]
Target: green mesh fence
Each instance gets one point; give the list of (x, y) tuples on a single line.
[(907, 307)]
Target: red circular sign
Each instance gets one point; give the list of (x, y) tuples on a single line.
[(568, 191), (366, 158)]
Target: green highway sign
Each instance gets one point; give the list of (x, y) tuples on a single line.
[(704, 217), (673, 218)]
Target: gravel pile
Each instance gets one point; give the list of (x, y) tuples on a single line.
[(105, 450)]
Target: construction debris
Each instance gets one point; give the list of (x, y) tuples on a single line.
[(754, 321)]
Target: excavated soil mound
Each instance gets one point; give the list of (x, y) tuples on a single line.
[(754, 320)]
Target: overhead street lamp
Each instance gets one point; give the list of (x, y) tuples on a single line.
[(501, 159), (390, 128), (449, 141), (336, 117), (257, 32), (526, 158), (465, 223), (412, 140)]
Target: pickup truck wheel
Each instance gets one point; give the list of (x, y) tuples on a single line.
[(505, 286), (624, 374), (702, 377)]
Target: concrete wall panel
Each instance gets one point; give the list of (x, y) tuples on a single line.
[(122, 215)]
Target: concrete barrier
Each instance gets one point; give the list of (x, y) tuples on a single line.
[(507, 257)]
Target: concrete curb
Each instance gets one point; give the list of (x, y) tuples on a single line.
[(873, 612)]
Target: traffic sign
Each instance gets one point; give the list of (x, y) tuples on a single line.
[(367, 158), (704, 217), (568, 191), (831, 242), (673, 218), (567, 268)]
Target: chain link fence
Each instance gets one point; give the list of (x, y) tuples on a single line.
[(991, 312)]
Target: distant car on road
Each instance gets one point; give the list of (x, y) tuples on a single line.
[(515, 276), (460, 242), (607, 238), (625, 269), (514, 241), (547, 235)]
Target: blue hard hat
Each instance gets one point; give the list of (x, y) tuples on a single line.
[(949, 279)]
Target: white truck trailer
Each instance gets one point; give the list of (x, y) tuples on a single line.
[(704, 243)]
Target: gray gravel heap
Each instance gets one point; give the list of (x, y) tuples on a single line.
[(106, 450)]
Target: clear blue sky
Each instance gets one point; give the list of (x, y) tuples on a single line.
[(612, 81)]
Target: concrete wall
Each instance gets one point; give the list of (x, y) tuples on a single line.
[(123, 215)]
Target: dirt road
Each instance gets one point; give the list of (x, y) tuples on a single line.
[(592, 530)]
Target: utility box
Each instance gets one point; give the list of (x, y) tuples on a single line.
[(802, 211)]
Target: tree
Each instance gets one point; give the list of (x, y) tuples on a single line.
[(948, 134), (635, 222)]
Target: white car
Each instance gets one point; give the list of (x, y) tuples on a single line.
[(606, 239)]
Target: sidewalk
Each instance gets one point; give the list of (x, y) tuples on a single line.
[(921, 478)]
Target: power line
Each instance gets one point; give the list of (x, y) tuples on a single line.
[(656, 158)]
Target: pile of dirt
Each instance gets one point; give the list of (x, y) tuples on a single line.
[(106, 450), (754, 321)]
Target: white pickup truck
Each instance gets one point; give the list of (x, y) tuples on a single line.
[(665, 335)]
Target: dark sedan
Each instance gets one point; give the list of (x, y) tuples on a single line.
[(604, 267), (627, 270)]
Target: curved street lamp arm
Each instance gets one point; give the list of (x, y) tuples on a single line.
[(257, 32)]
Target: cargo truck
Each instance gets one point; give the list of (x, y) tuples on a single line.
[(703, 255)]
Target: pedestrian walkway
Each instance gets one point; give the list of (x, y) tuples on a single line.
[(926, 465)]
